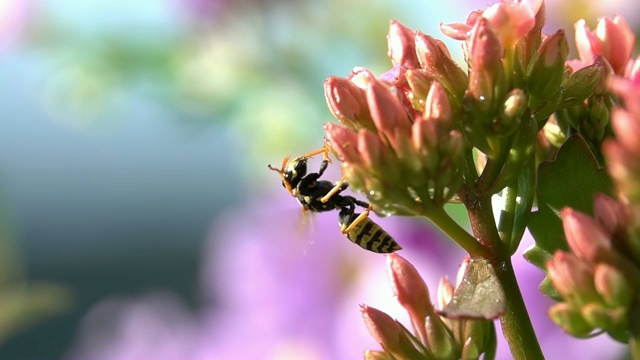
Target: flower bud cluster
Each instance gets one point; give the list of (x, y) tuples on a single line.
[(599, 279), (606, 51), (404, 137), (623, 152), (395, 153), (433, 337)]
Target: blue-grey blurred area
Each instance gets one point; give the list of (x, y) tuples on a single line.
[(110, 211)]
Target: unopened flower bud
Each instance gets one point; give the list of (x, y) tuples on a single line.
[(370, 148), (409, 287), (486, 75), (610, 213), (572, 278), (445, 292), (580, 84), (462, 269), (344, 142), (439, 338), (585, 236), (612, 39), (516, 103), (435, 58), (612, 286), (477, 336), (570, 320), (348, 103), (626, 126), (387, 113), (419, 83), (438, 108), (596, 316), (402, 47), (598, 119), (624, 168), (546, 70), (375, 355), (388, 333), (512, 20)]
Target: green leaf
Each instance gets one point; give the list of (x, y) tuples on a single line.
[(571, 180), (479, 295)]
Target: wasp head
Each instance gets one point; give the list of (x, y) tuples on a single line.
[(292, 172)]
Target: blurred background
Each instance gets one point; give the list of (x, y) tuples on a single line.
[(137, 217)]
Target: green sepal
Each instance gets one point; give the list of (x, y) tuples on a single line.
[(519, 155), (579, 85)]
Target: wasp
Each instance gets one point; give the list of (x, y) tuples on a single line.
[(316, 195)]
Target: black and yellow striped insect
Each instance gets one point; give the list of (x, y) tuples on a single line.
[(321, 195)]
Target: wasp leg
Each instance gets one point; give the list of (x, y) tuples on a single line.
[(340, 186), (356, 221), (324, 151)]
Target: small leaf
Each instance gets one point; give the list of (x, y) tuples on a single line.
[(479, 295), (572, 180), (537, 256)]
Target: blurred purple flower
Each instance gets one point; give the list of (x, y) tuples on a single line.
[(14, 18), (272, 291)]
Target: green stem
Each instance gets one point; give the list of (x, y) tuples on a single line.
[(508, 214), (450, 227), (516, 325)]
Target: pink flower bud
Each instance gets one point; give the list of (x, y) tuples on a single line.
[(570, 320), (344, 142), (486, 77), (435, 58), (512, 19), (375, 355), (610, 213), (420, 84), (370, 148), (627, 130), (573, 278), (612, 285), (347, 102), (613, 39), (629, 91), (596, 316), (388, 333), (459, 31), (462, 270), (445, 292), (402, 48), (382, 327), (386, 110), (545, 72), (409, 288), (438, 108), (588, 240)]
